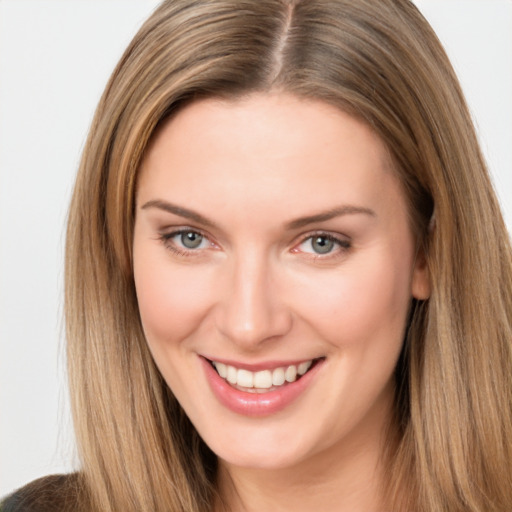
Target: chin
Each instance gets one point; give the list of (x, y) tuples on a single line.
[(261, 449), (267, 460)]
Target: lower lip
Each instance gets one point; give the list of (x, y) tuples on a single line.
[(257, 404)]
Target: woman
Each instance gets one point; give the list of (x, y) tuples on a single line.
[(288, 279)]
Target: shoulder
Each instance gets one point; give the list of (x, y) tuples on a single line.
[(48, 494)]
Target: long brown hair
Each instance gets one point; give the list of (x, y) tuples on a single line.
[(379, 61)]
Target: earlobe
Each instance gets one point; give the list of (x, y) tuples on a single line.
[(420, 283)]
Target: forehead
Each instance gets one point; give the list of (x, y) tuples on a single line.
[(264, 149)]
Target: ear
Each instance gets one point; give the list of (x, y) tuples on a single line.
[(420, 282)]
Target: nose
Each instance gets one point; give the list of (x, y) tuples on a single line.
[(252, 310)]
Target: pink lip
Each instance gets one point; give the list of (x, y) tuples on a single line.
[(257, 404)]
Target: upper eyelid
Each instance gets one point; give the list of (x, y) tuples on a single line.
[(170, 232), (337, 237)]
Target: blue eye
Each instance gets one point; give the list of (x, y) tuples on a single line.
[(322, 244), (184, 241), (190, 239)]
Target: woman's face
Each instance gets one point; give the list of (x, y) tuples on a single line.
[(272, 239)]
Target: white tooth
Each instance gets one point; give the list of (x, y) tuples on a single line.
[(278, 377), (221, 369), (245, 378), (291, 374), (231, 375), (304, 367), (263, 379)]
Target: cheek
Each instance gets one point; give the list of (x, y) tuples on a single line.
[(172, 299), (360, 302)]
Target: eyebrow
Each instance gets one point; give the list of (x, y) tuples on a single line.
[(294, 224), (180, 211), (330, 214)]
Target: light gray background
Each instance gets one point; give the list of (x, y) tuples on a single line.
[(55, 58)]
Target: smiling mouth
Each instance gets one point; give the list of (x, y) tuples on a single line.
[(263, 381)]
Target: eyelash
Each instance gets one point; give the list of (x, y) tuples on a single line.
[(343, 245), (166, 239)]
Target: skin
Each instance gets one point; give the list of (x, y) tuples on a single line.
[(256, 290)]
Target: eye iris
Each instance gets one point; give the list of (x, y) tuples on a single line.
[(322, 244), (191, 240)]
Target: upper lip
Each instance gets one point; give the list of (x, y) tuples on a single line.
[(259, 366)]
